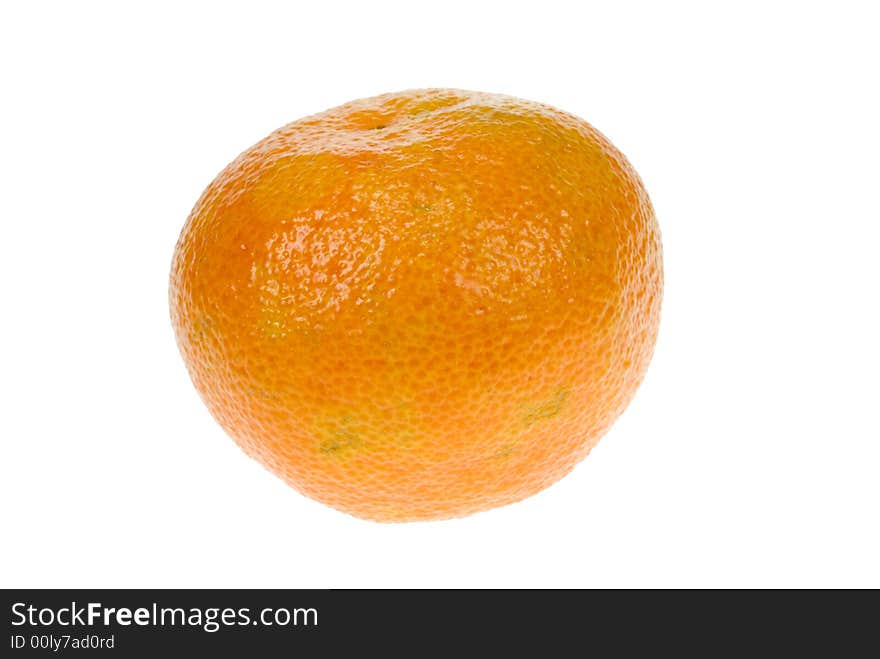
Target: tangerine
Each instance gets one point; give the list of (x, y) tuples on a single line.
[(420, 305)]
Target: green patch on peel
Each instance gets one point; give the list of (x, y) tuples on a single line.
[(259, 392), (203, 326), (357, 433), (533, 413), (339, 445), (545, 409), (272, 321), (398, 422), (405, 440), (339, 437), (507, 450)]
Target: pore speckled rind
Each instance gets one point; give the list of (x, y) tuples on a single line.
[(420, 305)]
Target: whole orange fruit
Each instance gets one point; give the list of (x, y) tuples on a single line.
[(420, 305)]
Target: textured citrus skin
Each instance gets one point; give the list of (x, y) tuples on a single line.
[(420, 305)]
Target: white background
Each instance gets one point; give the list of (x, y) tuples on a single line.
[(750, 456)]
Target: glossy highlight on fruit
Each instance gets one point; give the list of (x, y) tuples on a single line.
[(420, 305)]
